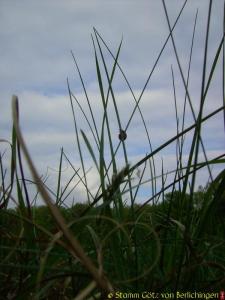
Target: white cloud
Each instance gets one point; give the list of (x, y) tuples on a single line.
[(36, 39)]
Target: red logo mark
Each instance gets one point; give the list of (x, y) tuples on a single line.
[(222, 295)]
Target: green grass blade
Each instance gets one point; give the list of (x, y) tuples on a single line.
[(89, 148), (86, 95), (78, 143), (168, 142), (195, 136), (72, 241), (59, 178), (223, 79)]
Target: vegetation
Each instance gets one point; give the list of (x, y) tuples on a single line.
[(173, 241)]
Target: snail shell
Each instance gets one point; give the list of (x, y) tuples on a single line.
[(122, 135)]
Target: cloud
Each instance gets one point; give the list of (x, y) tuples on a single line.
[(36, 39)]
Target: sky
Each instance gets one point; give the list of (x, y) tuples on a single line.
[(37, 38)]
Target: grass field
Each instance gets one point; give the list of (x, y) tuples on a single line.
[(113, 244)]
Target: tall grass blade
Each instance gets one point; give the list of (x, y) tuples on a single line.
[(59, 178), (90, 149), (200, 114), (76, 248), (168, 142), (86, 95), (223, 79), (190, 103), (78, 142)]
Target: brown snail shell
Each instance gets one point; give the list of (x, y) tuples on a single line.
[(122, 135)]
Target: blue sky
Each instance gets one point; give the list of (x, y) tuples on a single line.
[(35, 58)]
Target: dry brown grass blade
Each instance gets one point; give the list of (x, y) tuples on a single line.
[(84, 293), (73, 244)]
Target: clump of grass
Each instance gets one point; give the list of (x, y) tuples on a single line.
[(172, 241)]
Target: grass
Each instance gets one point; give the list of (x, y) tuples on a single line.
[(173, 241)]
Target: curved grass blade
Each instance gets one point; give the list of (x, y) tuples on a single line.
[(86, 95), (72, 241), (89, 148), (59, 178), (78, 143)]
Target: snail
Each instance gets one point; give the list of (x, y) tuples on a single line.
[(122, 135)]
